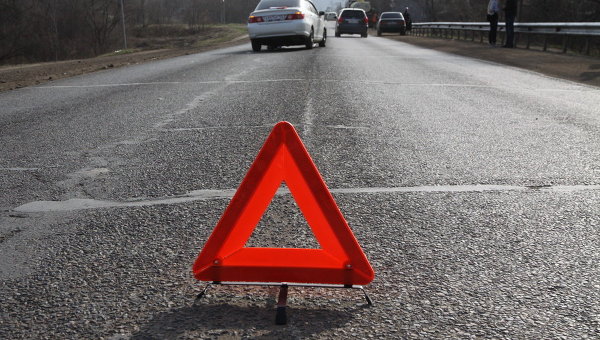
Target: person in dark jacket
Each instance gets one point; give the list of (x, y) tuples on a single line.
[(407, 20), (492, 16), (510, 13)]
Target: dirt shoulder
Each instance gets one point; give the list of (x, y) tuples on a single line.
[(585, 70), (17, 76)]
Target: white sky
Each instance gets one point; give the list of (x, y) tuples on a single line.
[(323, 4)]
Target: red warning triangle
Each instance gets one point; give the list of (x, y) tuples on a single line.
[(340, 260)]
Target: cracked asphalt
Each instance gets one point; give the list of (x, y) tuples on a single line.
[(473, 188)]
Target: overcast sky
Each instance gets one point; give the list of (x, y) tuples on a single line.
[(323, 4)]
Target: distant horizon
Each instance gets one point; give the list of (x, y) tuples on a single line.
[(324, 4)]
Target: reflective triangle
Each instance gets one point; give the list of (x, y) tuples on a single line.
[(340, 260)]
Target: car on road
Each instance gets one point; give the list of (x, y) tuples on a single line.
[(330, 16), (276, 23), (391, 22), (352, 21)]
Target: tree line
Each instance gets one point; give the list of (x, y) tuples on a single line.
[(47, 30)]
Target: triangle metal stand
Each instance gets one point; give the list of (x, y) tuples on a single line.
[(281, 311)]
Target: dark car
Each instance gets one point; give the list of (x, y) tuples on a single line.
[(391, 22), (352, 21)]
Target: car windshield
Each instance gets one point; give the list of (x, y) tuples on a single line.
[(353, 14), (391, 15), (266, 4)]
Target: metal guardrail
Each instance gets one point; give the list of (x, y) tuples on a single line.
[(587, 30)]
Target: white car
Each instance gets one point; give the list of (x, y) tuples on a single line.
[(286, 22), (331, 16)]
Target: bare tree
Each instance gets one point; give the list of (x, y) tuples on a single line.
[(195, 13), (102, 17), (11, 24), (141, 13)]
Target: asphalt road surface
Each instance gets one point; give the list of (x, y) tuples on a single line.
[(473, 188)]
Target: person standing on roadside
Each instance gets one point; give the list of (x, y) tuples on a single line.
[(407, 20), (510, 13), (492, 16)]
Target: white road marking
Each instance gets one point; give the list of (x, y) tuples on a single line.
[(269, 126), (308, 118), (346, 127), (19, 169), (223, 127), (574, 88), (204, 195), (263, 81), (209, 82)]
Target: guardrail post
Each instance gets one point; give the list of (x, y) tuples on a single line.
[(549, 31), (587, 46)]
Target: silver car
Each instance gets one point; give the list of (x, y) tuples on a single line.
[(277, 23)]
